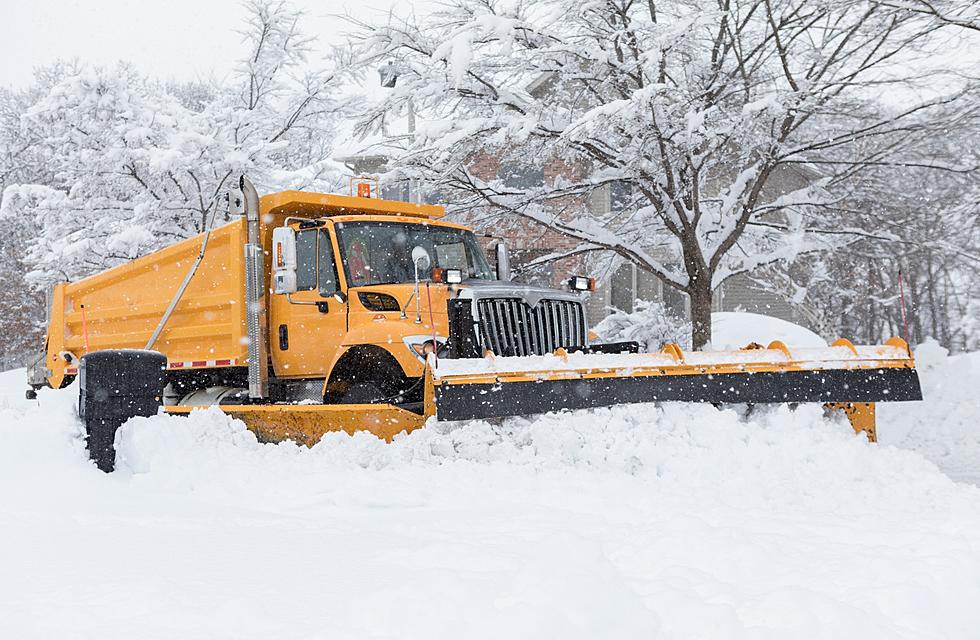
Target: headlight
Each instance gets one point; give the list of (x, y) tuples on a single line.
[(581, 283), (422, 346), (449, 276)]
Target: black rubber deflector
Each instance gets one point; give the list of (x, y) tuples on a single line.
[(471, 401)]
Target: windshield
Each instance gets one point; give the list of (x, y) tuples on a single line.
[(381, 252)]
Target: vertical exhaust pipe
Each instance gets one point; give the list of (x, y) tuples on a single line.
[(503, 262), (255, 295), (251, 209)]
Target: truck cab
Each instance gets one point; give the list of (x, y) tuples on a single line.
[(359, 300)]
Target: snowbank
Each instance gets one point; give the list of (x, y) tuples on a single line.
[(945, 428), (672, 522), (652, 325), (734, 330)]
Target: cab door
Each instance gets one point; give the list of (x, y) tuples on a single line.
[(308, 327)]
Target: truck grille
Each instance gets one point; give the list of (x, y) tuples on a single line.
[(511, 327)]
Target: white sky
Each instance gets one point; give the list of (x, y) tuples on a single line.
[(190, 39), (182, 39)]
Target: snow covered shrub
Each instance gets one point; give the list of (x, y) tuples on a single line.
[(651, 324)]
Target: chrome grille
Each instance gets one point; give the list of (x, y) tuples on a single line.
[(511, 327)]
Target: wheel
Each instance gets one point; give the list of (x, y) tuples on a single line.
[(367, 374), (363, 393), (115, 386)]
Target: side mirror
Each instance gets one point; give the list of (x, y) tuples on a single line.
[(421, 258), (236, 202), (283, 260), (503, 262)]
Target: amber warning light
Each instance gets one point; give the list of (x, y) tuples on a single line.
[(363, 186)]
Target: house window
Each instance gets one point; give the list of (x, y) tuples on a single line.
[(521, 176), (621, 288), (630, 283), (612, 197), (620, 196)]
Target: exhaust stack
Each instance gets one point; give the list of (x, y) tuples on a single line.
[(255, 296)]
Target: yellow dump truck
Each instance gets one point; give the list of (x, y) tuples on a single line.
[(316, 312)]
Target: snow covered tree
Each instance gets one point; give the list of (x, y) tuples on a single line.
[(722, 126), (101, 165), (134, 165), (918, 219), (957, 13), (22, 161)]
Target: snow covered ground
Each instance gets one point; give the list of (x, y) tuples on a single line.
[(945, 428), (654, 522)]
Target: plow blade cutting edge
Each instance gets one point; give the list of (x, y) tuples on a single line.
[(842, 375)]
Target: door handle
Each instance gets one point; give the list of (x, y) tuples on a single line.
[(322, 307), (283, 337)]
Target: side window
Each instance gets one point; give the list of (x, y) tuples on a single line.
[(306, 260), (327, 269)]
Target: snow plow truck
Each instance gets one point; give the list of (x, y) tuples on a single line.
[(310, 313)]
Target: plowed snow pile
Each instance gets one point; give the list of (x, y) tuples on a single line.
[(640, 522), (946, 427)]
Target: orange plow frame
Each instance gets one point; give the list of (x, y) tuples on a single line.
[(841, 377)]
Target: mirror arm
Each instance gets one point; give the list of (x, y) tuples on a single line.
[(408, 302), (418, 298)]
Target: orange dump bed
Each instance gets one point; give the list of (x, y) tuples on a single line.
[(120, 308)]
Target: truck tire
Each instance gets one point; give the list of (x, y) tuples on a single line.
[(367, 374), (116, 385), (364, 393)]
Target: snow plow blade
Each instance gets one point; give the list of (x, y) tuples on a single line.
[(307, 424), (841, 374)]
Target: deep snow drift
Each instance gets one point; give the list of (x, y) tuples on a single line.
[(945, 428), (635, 522)]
